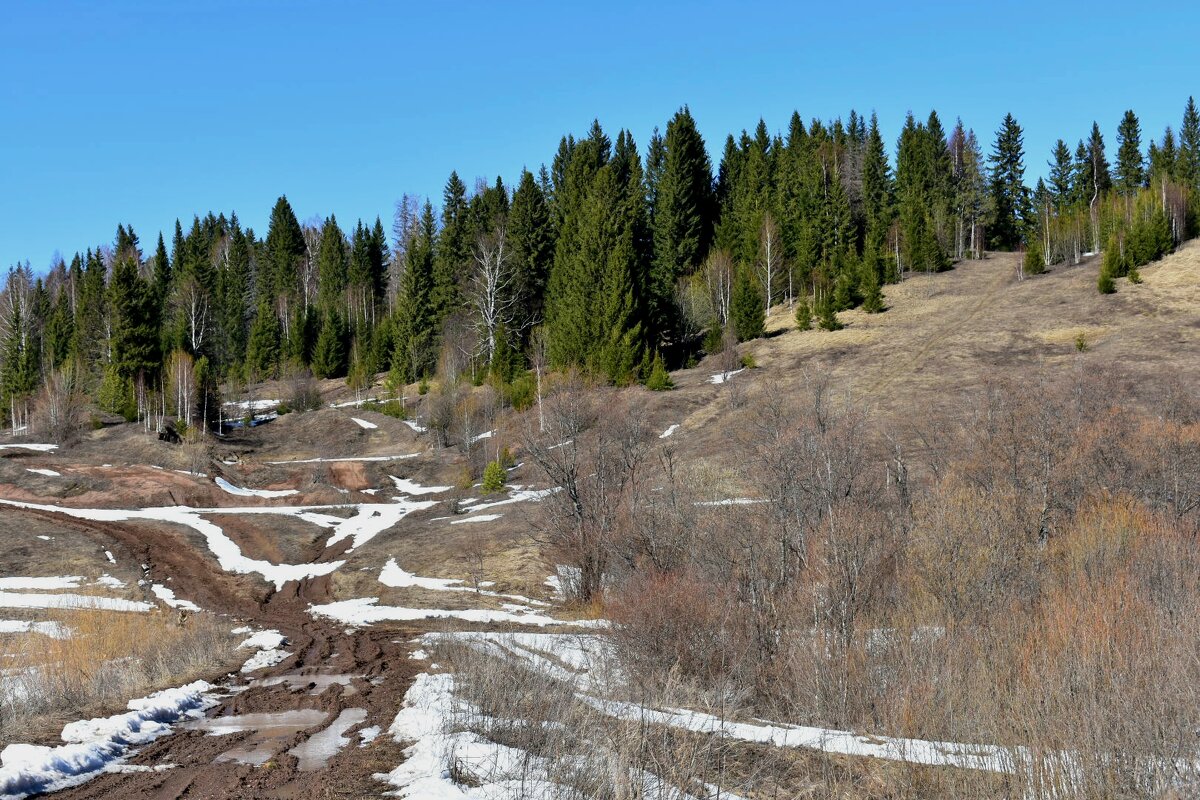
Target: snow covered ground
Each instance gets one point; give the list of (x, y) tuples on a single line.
[(670, 430), (40, 448), (362, 423)]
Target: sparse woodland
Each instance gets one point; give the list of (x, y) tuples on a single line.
[(606, 259)]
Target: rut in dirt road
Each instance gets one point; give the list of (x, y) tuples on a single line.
[(299, 729)]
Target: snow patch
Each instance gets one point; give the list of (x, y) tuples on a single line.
[(30, 600), (41, 448), (92, 745), (412, 487), (364, 611), (168, 596), (57, 582), (721, 377), (362, 423), (241, 491), (669, 431), (480, 518), (52, 629), (49, 473)]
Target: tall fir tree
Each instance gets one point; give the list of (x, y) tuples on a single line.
[(531, 240), (1009, 193), (682, 216), (1131, 170)]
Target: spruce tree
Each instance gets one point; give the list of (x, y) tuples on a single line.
[(453, 250), (1187, 164), (1131, 172), (162, 270), (682, 215), (531, 242), (660, 379), (284, 251), (1101, 176), (332, 267), (1061, 173), (263, 347), (746, 308), (133, 320), (329, 355), (1009, 194), (803, 314)]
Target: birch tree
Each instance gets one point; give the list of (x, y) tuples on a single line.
[(492, 299)]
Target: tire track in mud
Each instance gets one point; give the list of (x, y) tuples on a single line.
[(332, 669)]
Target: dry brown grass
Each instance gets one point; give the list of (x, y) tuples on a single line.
[(108, 658)]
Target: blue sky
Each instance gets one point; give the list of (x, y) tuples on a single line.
[(141, 112)]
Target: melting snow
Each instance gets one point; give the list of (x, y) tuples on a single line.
[(347, 458), (49, 473), (52, 629), (168, 597), (91, 745), (29, 600), (269, 654), (480, 518), (518, 495), (412, 487), (41, 448), (364, 611), (416, 428), (241, 491), (362, 423), (721, 377), (60, 582), (669, 431)]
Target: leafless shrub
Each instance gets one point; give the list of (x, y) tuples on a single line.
[(58, 413)]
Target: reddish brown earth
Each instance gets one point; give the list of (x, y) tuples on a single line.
[(370, 670)]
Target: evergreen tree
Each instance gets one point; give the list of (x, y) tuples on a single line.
[(682, 215), (1101, 177), (1061, 174), (134, 321), (1131, 172), (285, 250), (162, 270), (660, 379), (332, 267), (746, 308), (418, 316), (1163, 157), (453, 249), (877, 197), (1009, 195), (263, 347), (1187, 164), (531, 240), (329, 355), (803, 314)]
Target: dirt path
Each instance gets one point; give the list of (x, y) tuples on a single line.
[(355, 678), (364, 674)]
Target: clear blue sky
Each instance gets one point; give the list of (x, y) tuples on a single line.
[(141, 112)]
